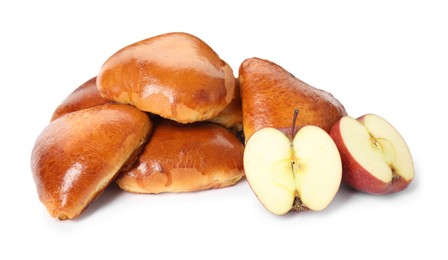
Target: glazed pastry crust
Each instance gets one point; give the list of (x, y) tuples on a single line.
[(270, 94), (181, 158), (85, 96), (77, 155), (174, 75)]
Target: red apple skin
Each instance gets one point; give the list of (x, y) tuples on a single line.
[(354, 175)]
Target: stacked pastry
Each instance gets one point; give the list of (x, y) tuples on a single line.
[(165, 115), (159, 117)]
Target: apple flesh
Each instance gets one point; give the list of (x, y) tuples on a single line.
[(304, 173), (375, 157)]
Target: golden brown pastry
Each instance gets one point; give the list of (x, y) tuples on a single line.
[(77, 155), (174, 75), (181, 158), (85, 96), (270, 94), (232, 116)]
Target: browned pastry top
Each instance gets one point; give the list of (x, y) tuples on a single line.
[(85, 96), (231, 117), (185, 158), (77, 155), (174, 75), (270, 94)]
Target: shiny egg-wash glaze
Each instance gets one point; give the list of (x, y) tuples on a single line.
[(270, 94), (77, 155), (85, 96), (181, 158), (174, 75)]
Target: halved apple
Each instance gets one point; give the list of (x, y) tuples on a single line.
[(304, 173), (375, 157)]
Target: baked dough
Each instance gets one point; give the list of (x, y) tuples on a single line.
[(77, 155), (181, 158), (174, 75), (270, 94), (85, 96)]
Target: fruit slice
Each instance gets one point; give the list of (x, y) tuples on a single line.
[(284, 175), (375, 156)]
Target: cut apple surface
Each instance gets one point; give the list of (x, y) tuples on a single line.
[(304, 173), (375, 157)]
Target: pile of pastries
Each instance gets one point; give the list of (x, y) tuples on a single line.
[(166, 114)]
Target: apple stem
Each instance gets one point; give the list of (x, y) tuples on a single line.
[(294, 119)]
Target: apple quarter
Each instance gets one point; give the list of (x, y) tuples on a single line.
[(375, 157)]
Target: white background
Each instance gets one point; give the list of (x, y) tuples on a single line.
[(383, 57)]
